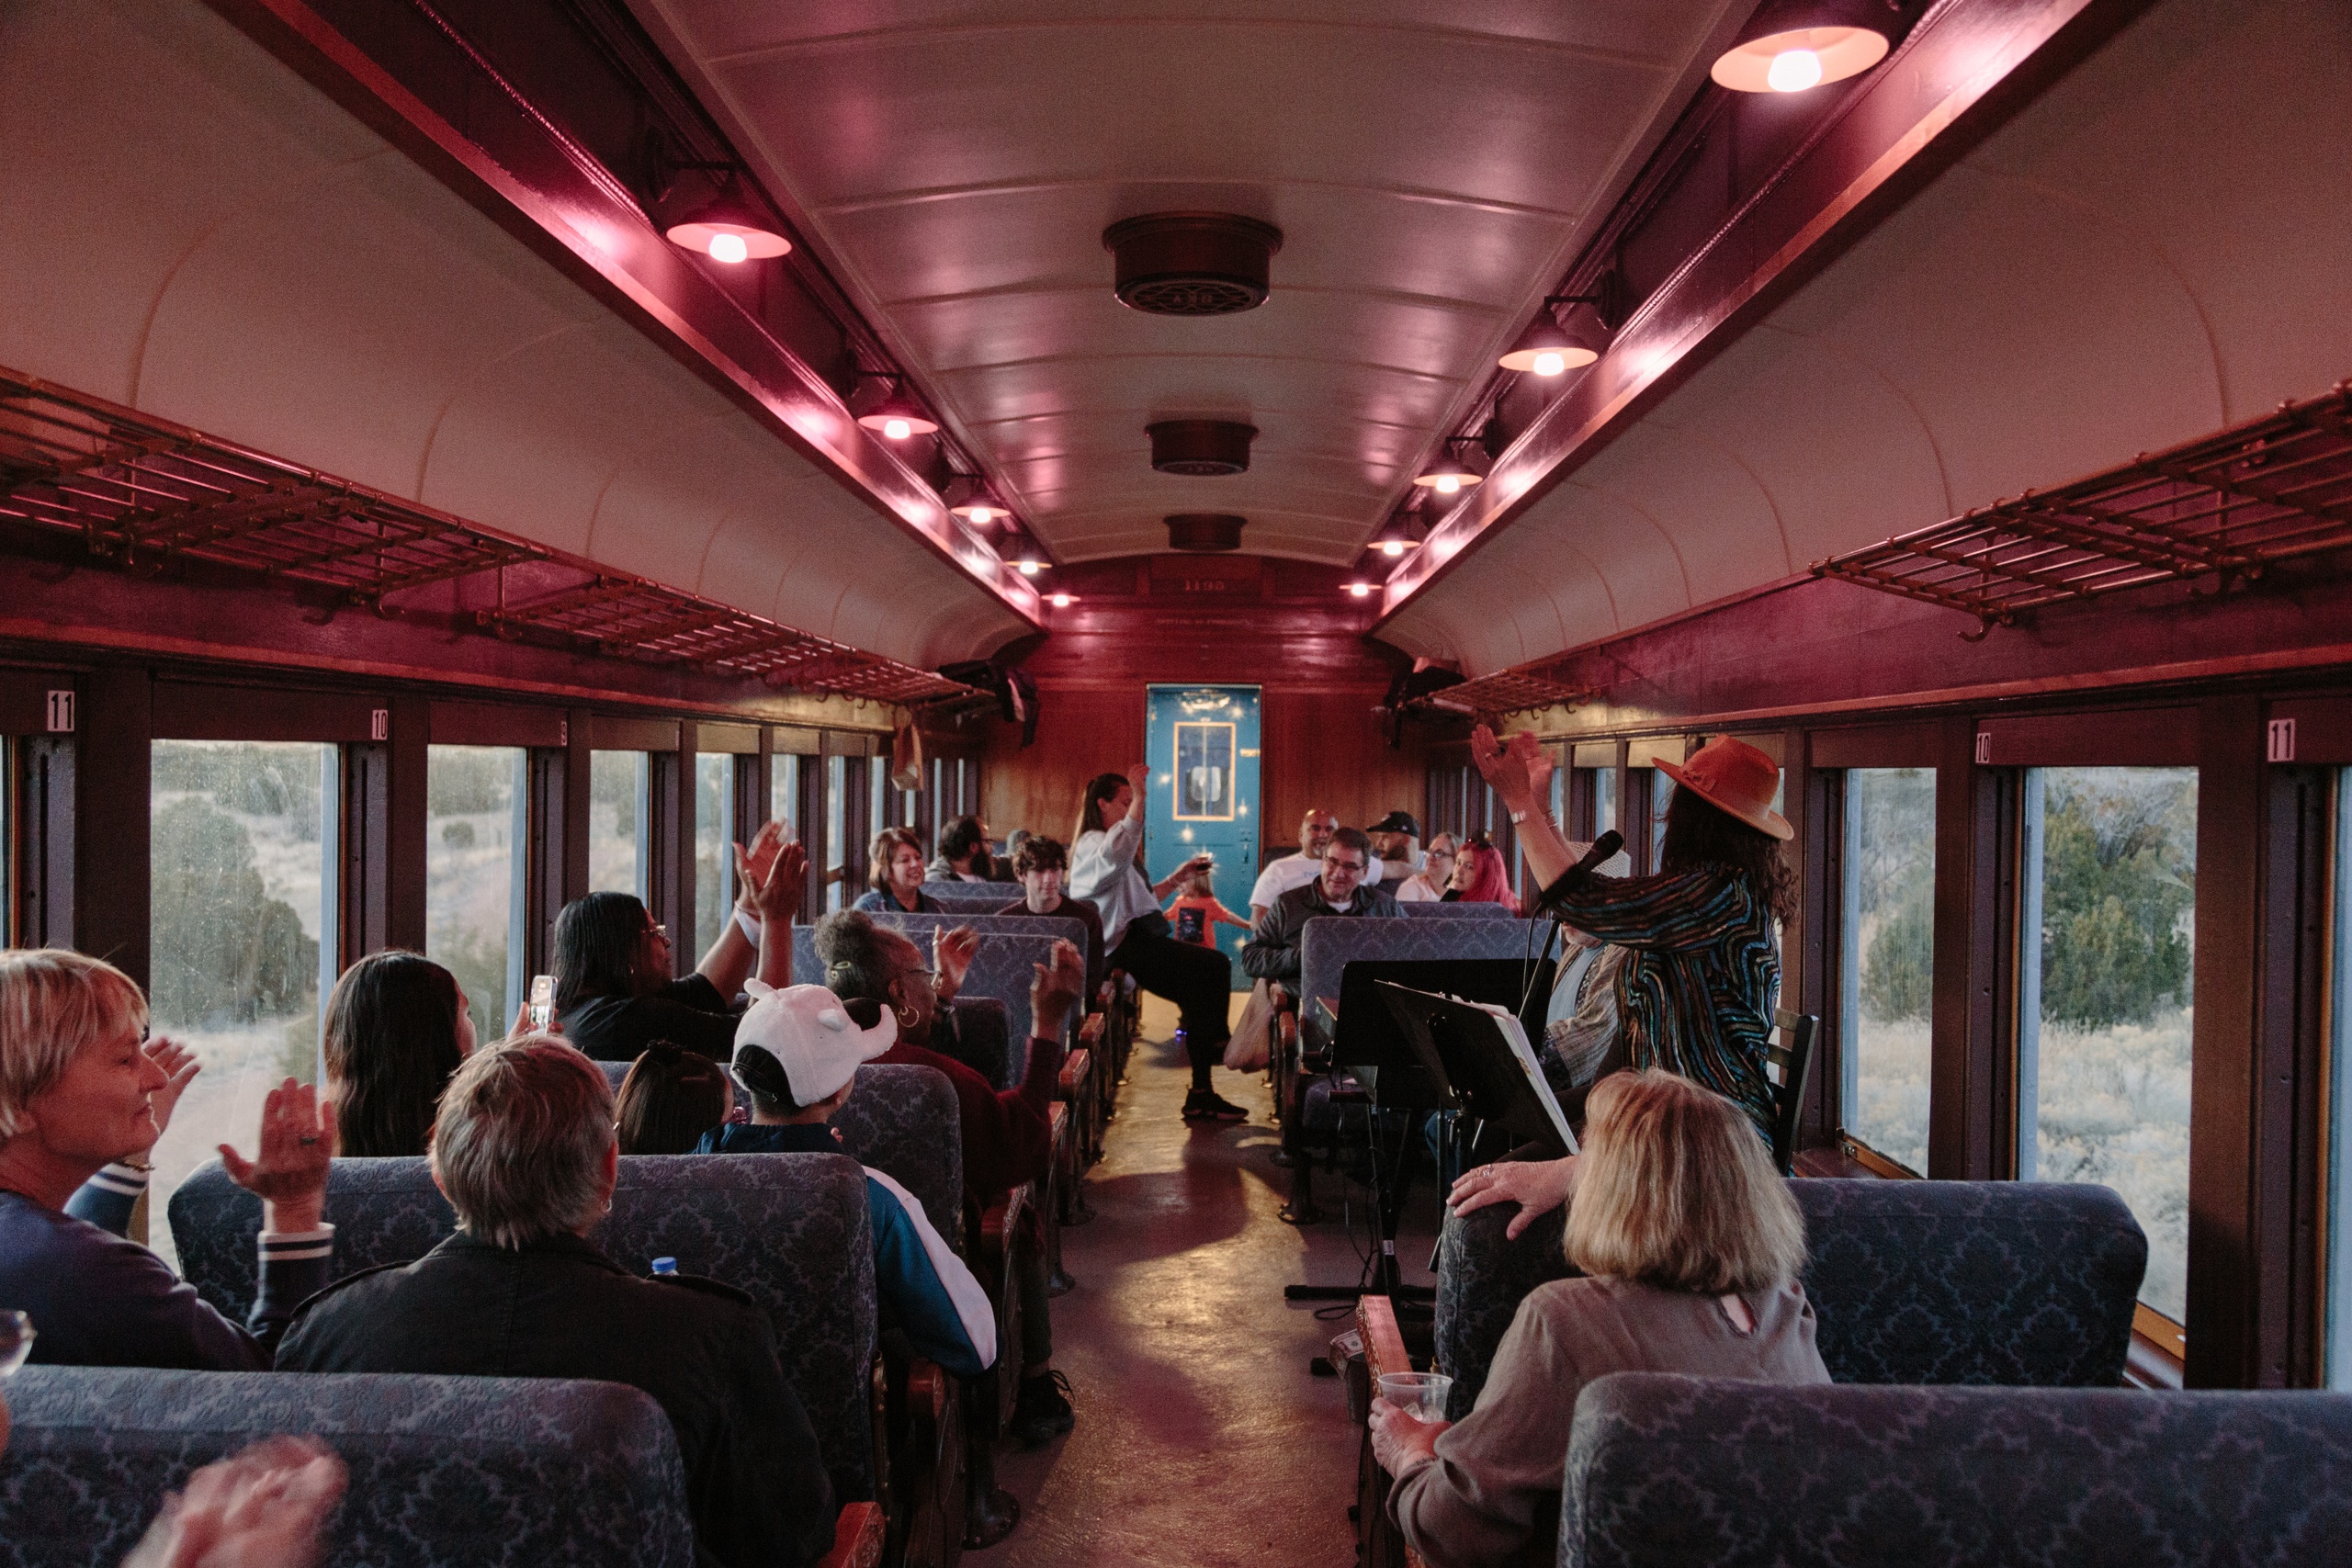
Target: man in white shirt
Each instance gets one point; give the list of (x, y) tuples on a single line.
[(1297, 870)]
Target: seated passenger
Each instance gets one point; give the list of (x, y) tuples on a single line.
[(1282, 875), (524, 1150), (82, 1102), (895, 879), (1428, 885), (397, 1027), (964, 855), (1271, 952), (1480, 877), (799, 1060), (1043, 866), (670, 1098), (1691, 1245), (1396, 842), (614, 994)]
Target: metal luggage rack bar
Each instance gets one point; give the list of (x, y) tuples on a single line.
[(2228, 505), (143, 492), (1506, 691)]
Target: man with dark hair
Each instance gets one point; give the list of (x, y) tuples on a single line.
[(524, 1148), (1271, 951), (1008, 1133), (1315, 834), (1397, 840), (963, 854), (1043, 865)]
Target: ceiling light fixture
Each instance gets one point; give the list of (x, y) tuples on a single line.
[(1029, 566), (1548, 348), (1360, 590), (974, 500), (897, 416), (1396, 536), (1449, 474), (728, 229), (1801, 46), (1064, 601)]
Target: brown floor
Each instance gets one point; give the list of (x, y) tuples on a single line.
[(1202, 1435)]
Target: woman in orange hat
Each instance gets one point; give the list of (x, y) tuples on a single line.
[(1697, 992)]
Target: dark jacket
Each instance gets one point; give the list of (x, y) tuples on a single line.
[(1271, 951), (689, 1014), (1085, 914), (559, 1308), (97, 1300)]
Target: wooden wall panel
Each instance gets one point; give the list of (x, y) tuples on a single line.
[(1327, 749), (1082, 733)]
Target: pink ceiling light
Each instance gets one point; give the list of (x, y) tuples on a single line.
[(1795, 47)]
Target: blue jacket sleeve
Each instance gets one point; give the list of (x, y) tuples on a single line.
[(924, 1288), (108, 1198)]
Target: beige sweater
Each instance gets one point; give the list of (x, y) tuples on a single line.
[(1492, 1494)]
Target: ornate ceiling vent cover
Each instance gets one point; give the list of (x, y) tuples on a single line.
[(1191, 264), (1205, 531), (1201, 447)]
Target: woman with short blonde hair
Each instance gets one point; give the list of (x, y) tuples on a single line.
[(1690, 1246)]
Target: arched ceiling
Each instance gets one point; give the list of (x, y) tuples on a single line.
[(2157, 247), (1433, 166), (193, 231)]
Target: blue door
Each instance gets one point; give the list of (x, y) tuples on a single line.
[(1203, 746)]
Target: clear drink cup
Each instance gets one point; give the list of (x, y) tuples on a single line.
[(1419, 1394)]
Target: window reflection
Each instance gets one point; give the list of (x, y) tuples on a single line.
[(1888, 966), (2104, 1011), (239, 920), (474, 829), (616, 809)]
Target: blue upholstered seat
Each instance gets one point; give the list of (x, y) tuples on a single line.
[(790, 1229), (1668, 1471), (1912, 1282), (904, 1123), (1479, 912), (973, 895), (444, 1472), (1327, 944)]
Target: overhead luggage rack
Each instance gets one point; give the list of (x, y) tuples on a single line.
[(142, 493), (2226, 506), (1506, 691)]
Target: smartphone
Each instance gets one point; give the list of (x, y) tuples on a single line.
[(542, 1000)]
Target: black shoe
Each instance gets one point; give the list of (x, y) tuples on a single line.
[(990, 1519), (1207, 1105), (1042, 1412)]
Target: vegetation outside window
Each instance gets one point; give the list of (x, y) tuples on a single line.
[(844, 865), (475, 797), (714, 854), (618, 842), (1604, 800), (2104, 1004), (1661, 795), (1888, 959), (241, 926), (784, 791)]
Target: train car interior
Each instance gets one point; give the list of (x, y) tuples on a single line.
[(1275, 782)]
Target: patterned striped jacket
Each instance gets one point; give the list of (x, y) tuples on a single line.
[(1697, 994)]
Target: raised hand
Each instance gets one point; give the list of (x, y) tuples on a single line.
[(1506, 774), (289, 1173), (262, 1508), (951, 953), (1538, 1187), (1058, 987), (1540, 764), (778, 890), (1139, 775), (753, 862), (180, 1065)]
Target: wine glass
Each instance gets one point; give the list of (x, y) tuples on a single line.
[(15, 1341)]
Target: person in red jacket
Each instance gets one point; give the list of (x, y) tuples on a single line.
[(1008, 1133)]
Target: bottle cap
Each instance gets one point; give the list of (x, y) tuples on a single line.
[(665, 1266)]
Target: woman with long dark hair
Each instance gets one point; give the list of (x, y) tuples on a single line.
[(1138, 938), (614, 994), (397, 1027), (670, 1098), (1698, 988)]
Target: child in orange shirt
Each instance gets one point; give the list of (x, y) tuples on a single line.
[(1196, 912)]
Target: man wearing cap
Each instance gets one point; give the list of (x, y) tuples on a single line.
[(522, 1147), (797, 1053), (1396, 842), (1314, 830)]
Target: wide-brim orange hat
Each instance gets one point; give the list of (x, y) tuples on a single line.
[(1733, 776)]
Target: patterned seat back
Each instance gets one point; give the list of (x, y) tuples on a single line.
[(2015, 1282), (383, 1211), (614, 1072), (443, 1471), (904, 1122), (1011, 948), (983, 1041), (1327, 944), (977, 896), (1435, 910), (1674, 1471), (791, 1231)]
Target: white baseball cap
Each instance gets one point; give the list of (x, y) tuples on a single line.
[(808, 1033)]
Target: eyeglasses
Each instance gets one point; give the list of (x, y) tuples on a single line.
[(1347, 865), (658, 931), (1441, 854)]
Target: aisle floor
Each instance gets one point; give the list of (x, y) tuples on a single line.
[(1202, 1436)]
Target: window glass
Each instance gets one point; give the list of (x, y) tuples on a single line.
[(784, 791), (238, 920), (474, 800), (2104, 1013), (616, 836), (1604, 800), (2339, 1210), (10, 915), (1661, 793), (842, 876), (713, 854), (1888, 959)]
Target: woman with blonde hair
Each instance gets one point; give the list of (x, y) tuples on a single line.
[(1690, 1246)]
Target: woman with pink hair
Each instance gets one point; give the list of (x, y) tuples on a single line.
[(1480, 876)]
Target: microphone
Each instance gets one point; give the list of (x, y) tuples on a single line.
[(1603, 847)]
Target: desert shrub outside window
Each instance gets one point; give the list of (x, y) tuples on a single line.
[(714, 852), (618, 842), (241, 932), (2105, 1016), (474, 831), (1888, 960)]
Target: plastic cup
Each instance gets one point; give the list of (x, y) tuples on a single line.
[(1419, 1394)]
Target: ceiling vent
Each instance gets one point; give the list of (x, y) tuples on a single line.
[(1191, 264), (1205, 531), (1202, 447)]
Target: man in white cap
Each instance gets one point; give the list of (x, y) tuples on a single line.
[(797, 1052)]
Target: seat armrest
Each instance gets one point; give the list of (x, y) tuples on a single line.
[(1384, 1351), (857, 1538), (1089, 1033), (1075, 1067)]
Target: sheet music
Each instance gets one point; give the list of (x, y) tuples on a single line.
[(1516, 1032)]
